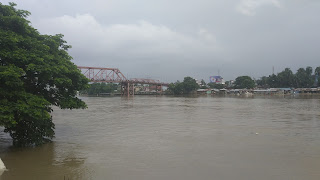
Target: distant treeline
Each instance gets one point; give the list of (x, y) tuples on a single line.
[(303, 78), (100, 88)]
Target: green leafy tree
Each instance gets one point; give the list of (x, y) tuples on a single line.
[(244, 82), (317, 71), (93, 89), (262, 82), (304, 78), (106, 88), (273, 81), (300, 77), (98, 88), (176, 88), (285, 78), (187, 86), (203, 85), (36, 73), (317, 75)]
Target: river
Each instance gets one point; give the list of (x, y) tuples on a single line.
[(178, 138)]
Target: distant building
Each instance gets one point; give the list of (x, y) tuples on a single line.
[(198, 82), (231, 83), (217, 80)]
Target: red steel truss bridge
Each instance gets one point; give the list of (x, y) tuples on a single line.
[(114, 75)]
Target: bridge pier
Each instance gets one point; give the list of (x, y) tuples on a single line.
[(159, 89), (127, 89)]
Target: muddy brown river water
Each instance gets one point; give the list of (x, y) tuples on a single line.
[(176, 138)]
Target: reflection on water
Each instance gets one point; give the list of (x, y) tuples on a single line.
[(45, 162), (148, 137)]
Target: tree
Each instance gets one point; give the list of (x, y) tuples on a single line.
[(93, 89), (317, 71), (273, 81), (98, 88), (262, 82), (317, 75), (285, 78), (243, 82), (36, 73), (304, 77), (203, 85), (176, 88), (187, 86)]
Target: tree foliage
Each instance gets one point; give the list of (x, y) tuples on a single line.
[(317, 71), (303, 78), (262, 82), (187, 86), (36, 72), (285, 78), (244, 82), (98, 88), (317, 75), (203, 84)]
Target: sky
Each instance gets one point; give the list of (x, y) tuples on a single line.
[(171, 39)]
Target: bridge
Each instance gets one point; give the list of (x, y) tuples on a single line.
[(114, 75)]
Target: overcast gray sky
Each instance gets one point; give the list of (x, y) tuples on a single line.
[(171, 39)]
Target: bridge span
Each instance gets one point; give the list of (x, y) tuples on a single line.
[(114, 75)]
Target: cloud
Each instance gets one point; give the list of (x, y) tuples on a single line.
[(249, 7), (190, 40), (137, 39)]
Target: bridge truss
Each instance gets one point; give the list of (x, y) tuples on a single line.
[(97, 74), (114, 75)]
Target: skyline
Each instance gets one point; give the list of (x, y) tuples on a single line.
[(168, 40)]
